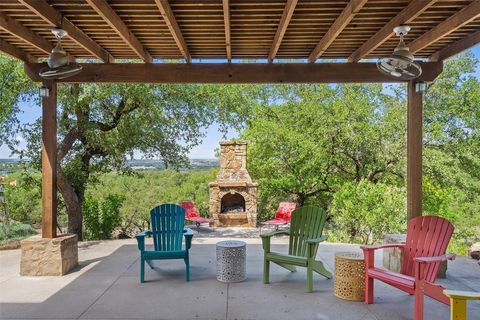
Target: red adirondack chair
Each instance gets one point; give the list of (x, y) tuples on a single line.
[(424, 250), (192, 214), (283, 214)]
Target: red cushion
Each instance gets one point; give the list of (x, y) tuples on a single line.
[(285, 210)]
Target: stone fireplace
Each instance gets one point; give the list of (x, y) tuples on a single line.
[(233, 195)]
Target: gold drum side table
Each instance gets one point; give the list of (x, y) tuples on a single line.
[(349, 283)]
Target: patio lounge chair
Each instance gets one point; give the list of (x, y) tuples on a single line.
[(305, 233), (282, 216), (192, 214), (424, 250), (168, 221)]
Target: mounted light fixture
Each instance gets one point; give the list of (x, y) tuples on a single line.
[(400, 64), (420, 86), (44, 91)]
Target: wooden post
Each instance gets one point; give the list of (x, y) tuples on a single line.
[(414, 151), (49, 161)]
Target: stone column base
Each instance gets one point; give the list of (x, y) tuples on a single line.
[(48, 257), (393, 257)]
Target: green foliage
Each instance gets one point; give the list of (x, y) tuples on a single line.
[(15, 231), (24, 197), (363, 212), (101, 217)]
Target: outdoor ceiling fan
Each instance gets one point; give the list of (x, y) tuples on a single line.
[(59, 66), (400, 64)]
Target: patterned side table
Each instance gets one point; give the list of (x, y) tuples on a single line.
[(349, 283), (231, 259)]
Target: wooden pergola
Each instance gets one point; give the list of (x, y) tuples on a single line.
[(266, 41)]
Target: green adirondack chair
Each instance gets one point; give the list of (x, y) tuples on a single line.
[(168, 230), (305, 233)]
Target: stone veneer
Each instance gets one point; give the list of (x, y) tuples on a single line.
[(233, 178), (48, 257)]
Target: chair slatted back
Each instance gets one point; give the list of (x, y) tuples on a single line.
[(306, 223), (190, 209), (284, 211), (168, 221), (427, 236)]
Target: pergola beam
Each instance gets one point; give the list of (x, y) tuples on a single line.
[(282, 28), (226, 22), (234, 73), (116, 23), (352, 8), (15, 28), (458, 20), (55, 18), (15, 52), (456, 47), (172, 25), (413, 10)]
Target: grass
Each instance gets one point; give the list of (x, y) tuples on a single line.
[(15, 231)]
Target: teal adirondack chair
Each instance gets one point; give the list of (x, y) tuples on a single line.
[(168, 230), (305, 233)]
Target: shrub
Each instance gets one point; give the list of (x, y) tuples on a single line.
[(15, 231), (101, 217), (363, 212)]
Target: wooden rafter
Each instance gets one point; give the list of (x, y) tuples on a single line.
[(15, 52), (352, 8), (456, 47), (116, 23), (458, 20), (282, 28), (226, 20), (413, 10), (12, 26), (55, 18), (172, 25), (234, 73)]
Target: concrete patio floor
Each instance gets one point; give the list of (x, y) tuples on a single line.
[(106, 286)]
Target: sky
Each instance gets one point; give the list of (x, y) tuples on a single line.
[(30, 112)]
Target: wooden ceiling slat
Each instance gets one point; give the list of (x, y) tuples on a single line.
[(456, 47), (461, 18), (352, 8), (49, 14), (172, 24), (117, 24), (16, 52), (414, 9), (282, 28)]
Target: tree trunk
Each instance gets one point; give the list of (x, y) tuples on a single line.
[(72, 203)]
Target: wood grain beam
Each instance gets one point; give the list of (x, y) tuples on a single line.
[(15, 52), (55, 18), (453, 23), (413, 10), (49, 162), (282, 28), (172, 25), (414, 151), (352, 8), (116, 23), (12, 26), (226, 22), (234, 73), (456, 47)]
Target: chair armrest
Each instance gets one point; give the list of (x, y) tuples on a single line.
[(141, 239), (383, 246), (462, 295), (316, 240), (188, 234), (273, 233), (445, 257)]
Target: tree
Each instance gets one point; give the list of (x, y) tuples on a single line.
[(305, 141), (15, 87), (100, 125)]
